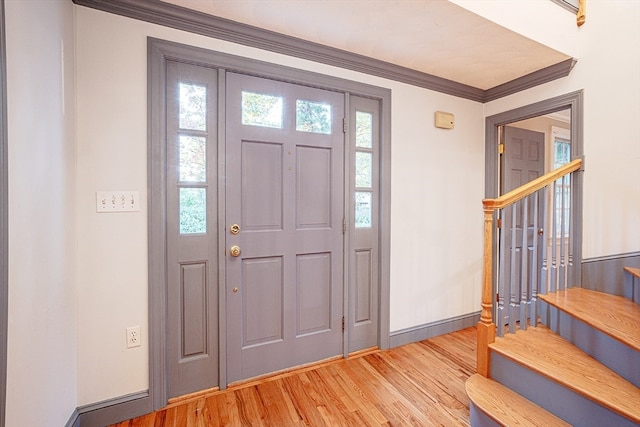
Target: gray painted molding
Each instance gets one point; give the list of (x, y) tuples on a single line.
[(430, 330), (552, 72), (111, 411), (74, 419), (169, 15), (606, 274), (4, 214)]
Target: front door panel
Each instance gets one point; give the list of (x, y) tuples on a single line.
[(284, 189)]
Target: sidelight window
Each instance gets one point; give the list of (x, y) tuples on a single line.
[(192, 158), (363, 169)]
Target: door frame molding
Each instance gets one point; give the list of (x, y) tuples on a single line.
[(575, 102), (4, 214), (159, 52)]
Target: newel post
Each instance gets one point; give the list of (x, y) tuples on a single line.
[(486, 327)]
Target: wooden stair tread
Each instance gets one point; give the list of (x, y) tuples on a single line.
[(633, 271), (507, 407), (548, 354), (614, 315)]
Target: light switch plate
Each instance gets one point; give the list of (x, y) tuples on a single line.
[(117, 201)]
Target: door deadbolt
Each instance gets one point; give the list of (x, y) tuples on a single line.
[(234, 229), (234, 251)]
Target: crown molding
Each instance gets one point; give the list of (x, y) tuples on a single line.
[(545, 75), (170, 15)]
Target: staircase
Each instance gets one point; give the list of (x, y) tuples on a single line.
[(580, 366)]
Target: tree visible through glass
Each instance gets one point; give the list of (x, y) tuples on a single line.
[(363, 169), (261, 110), (193, 150), (313, 117), (193, 106)]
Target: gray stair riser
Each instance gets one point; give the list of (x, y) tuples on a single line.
[(632, 287), (560, 401), (479, 418), (612, 353)]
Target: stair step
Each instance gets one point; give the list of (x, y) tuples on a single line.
[(616, 316), (549, 355), (506, 407), (633, 271), (632, 284)]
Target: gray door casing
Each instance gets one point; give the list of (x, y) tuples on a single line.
[(4, 207), (160, 53), (572, 101)]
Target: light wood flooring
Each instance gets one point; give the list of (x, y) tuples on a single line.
[(419, 384)]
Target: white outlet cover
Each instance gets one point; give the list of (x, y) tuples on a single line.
[(133, 337)]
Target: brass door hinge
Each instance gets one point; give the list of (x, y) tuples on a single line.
[(342, 323), (344, 125), (500, 148), (499, 223)]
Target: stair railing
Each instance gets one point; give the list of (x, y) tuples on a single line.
[(534, 248)]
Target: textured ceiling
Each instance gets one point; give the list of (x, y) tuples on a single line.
[(432, 36)]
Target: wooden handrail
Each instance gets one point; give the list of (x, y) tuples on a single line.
[(532, 186), (486, 326)]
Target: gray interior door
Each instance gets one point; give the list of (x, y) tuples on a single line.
[(523, 161), (284, 221), (192, 238)]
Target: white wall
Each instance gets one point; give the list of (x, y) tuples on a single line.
[(608, 70), (437, 185), (41, 378)]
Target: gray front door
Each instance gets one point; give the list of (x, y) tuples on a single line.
[(284, 225)]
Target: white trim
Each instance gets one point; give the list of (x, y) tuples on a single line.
[(557, 132)]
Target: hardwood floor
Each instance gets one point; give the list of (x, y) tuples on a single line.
[(419, 384)]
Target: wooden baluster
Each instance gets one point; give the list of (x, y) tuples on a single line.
[(562, 273), (486, 327), (535, 274), (524, 261), (501, 311), (544, 280), (513, 289), (554, 241), (570, 234)]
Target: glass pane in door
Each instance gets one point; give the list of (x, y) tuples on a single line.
[(193, 210), (193, 106), (259, 109), (313, 117), (193, 155)]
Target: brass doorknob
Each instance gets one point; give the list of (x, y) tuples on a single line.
[(234, 251), (540, 232), (235, 290)]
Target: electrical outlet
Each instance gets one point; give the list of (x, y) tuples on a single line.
[(133, 336)]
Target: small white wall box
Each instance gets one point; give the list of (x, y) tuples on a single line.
[(444, 120)]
